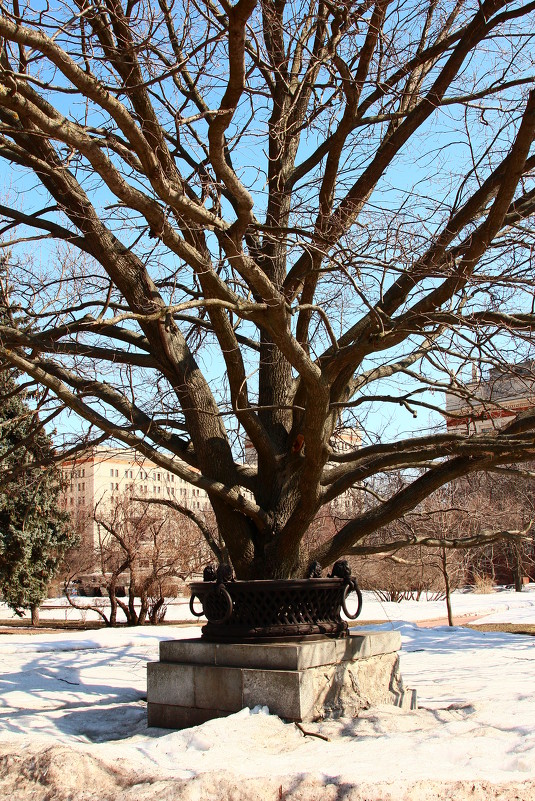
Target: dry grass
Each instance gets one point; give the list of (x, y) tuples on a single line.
[(14, 626), (507, 628), (483, 585)]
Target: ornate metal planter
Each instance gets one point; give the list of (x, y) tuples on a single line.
[(252, 611)]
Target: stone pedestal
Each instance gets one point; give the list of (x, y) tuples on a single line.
[(195, 681)]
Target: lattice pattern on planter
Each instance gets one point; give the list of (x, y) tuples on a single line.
[(283, 606), (248, 610)]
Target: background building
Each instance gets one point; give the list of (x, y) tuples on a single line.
[(104, 475), (493, 400)]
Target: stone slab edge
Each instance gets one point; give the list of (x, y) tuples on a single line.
[(280, 656)]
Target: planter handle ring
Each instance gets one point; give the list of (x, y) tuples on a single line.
[(191, 609), (230, 605), (350, 587)]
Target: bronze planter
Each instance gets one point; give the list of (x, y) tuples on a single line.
[(253, 611)]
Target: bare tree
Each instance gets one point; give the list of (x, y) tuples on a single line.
[(272, 218), (505, 498), (476, 530), (425, 552), (143, 553)]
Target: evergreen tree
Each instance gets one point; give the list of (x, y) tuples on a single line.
[(33, 528)]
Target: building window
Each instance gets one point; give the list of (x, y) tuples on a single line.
[(111, 471), (158, 476), (111, 486)]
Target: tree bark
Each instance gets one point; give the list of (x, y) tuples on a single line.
[(34, 609), (447, 587)]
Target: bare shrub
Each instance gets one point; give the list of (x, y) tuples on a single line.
[(483, 585), (144, 552)]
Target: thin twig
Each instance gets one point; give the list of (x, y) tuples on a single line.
[(312, 733)]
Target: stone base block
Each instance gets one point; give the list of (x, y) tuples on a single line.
[(195, 680)]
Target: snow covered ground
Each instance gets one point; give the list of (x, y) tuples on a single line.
[(73, 721), (465, 604)]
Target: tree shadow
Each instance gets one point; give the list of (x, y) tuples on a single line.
[(59, 681)]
